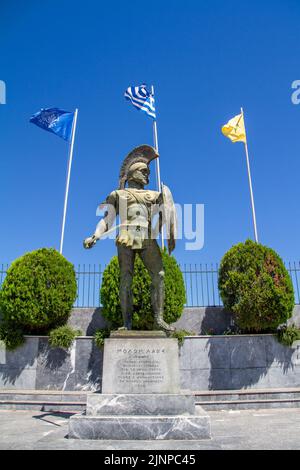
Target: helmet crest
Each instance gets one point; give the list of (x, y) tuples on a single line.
[(143, 153)]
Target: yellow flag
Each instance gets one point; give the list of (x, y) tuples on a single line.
[(235, 129)]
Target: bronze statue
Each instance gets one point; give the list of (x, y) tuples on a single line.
[(137, 207)]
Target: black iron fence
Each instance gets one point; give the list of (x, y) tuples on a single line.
[(201, 283), (89, 280), (3, 269)]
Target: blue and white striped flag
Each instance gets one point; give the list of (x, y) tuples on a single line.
[(141, 99)]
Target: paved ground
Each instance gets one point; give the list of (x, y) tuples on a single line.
[(246, 429)]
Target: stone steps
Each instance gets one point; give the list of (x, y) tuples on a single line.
[(248, 399), (62, 401), (248, 405), (43, 400)]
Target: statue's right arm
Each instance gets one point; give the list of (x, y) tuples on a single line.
[(105, 223)]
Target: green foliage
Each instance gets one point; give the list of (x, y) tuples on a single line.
[(288, 334), (109, 293), (181, 334), (11, 336), (63, 337), (142, 315), (39, 291), (255, 285), (232, 330), (100, 335)]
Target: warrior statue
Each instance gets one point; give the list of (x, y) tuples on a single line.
[(136, 208)]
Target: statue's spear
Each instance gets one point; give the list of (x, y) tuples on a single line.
[(155, 138), (144, 100)]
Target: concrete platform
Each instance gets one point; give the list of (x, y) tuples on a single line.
[(230, 430)]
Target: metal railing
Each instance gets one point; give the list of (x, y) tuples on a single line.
[(201, 283), (294, 271), (3, 269), (89, 280)]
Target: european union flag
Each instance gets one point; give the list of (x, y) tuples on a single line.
[(55, 120)]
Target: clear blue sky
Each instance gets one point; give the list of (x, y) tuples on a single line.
[(206, 60)]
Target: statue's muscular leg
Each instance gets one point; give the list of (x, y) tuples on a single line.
[(152, 259), (126, 262)]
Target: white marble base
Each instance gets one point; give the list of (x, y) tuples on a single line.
[(139, 404), (181, 427)]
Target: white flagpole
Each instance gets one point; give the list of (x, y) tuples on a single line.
[(155, 138), (250, 184), (68, 180)]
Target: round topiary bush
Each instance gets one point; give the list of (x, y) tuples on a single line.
[(142, 311), (255, 285), (39, 291)]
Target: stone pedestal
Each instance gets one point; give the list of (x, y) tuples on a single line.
[(140, 365), (140, 397)]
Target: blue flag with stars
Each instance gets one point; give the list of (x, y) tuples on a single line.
[(55, 120)]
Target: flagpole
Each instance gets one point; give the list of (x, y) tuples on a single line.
[(250, 183), (68, 180), (158, 181)]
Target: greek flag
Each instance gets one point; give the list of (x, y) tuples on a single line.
[(142, 99)]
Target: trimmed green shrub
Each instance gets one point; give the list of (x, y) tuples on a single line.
[(288, 334), (255, 285), (39, 291), (63, 337), (142, 311), (11, 336)]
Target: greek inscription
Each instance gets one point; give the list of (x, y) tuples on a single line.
[(140, 367), (141, 351)]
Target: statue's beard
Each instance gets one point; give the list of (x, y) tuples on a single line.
[(142, 181)]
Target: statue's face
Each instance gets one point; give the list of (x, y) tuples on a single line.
[(140, 175)]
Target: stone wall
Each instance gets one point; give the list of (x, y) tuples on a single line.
[(37, 366), (206, 363), (238, 362), (200, 320)]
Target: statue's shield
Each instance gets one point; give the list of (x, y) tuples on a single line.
[(169, 217)]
